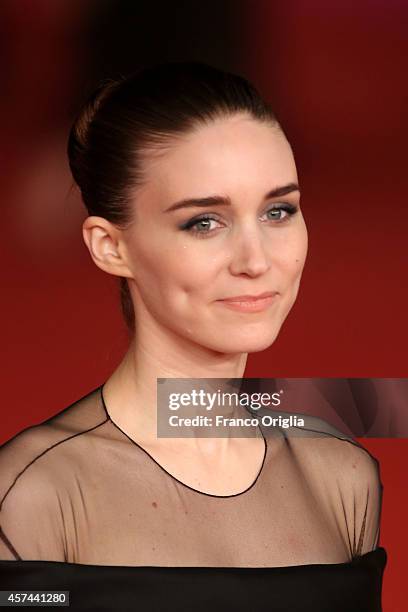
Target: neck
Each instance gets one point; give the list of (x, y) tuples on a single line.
[(131, 391)]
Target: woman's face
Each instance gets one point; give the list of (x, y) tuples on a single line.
[(250, 242)]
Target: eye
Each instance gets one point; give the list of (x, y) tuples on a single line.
[(277, 211), (199, 225)]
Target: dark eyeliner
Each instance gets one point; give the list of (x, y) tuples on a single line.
[(291, 209), (188, 224)]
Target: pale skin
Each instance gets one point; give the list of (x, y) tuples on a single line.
[(176, 278)]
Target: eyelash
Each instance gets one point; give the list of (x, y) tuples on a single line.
[(189, 225)]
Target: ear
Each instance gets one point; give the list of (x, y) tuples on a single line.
[(106, 246)]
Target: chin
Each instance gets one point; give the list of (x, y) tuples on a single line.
[(257, 345), (241, 343)]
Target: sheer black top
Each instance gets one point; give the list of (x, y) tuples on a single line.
[(85, 508)]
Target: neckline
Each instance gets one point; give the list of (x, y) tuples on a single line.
[(172, 475)]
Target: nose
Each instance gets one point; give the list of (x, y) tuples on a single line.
[(250, 252)]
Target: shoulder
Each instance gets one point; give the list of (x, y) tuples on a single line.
[(35, 457), (342, 453), (319, 446), (39, 470)]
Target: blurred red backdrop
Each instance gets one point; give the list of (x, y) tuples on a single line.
[(336, 74)]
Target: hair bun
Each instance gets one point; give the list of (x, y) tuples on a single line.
[(78, 137)]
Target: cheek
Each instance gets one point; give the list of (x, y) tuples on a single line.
[(173, 276), (292, 256)]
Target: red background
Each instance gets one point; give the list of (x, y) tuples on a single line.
[(336, 73), (336, 76)]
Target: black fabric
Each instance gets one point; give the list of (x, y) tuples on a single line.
[(84, 507), (348, 587)]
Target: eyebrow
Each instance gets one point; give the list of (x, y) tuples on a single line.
[(217, 200)]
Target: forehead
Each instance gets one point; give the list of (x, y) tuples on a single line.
[(230, 155)]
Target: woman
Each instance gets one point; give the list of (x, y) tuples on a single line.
[(193, 200)]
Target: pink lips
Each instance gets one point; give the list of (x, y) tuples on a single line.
[(250, 303), (248, 298)]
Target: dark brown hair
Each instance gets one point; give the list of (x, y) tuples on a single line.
[(132, 117)]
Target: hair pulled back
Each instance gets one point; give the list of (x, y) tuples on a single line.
[(131, 117)]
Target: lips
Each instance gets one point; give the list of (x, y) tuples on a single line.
[(249, 298), (250, 304)]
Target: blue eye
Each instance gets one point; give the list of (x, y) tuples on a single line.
[(193, 225), (279, 210)]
